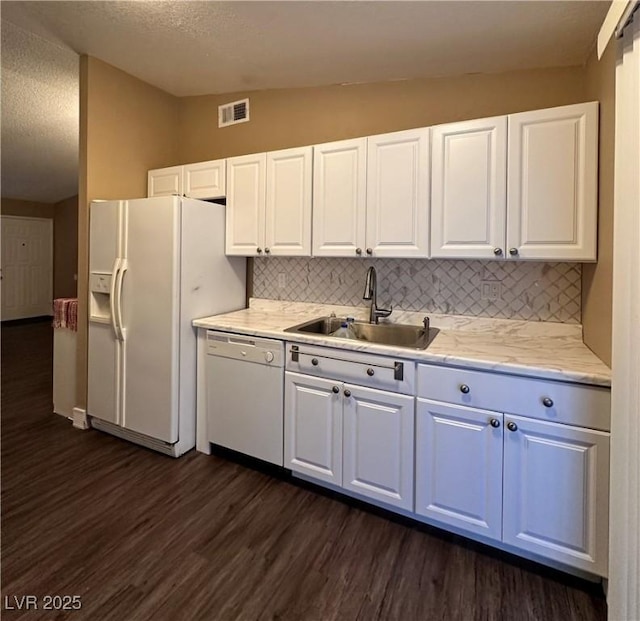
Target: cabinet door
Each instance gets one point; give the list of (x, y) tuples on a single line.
[(205, 179), (378, 445), (313, 427), (552, 184), (246, 186), (398, 194), (339, 198), (459, 467), (468, 193), (556, 490), (165, 181), (288, 209)]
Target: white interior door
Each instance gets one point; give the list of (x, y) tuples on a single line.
[(27, 267), (150, 303)]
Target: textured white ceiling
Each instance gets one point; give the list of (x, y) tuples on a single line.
[(194, 48)]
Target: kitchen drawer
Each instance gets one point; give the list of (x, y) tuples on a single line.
[(574, 404), (395, 375)]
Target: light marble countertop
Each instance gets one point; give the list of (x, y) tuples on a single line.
[(534, 349)]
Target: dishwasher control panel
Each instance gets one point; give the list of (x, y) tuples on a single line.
[(248, 348), (372, 370)]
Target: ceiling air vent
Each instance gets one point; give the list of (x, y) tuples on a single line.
[(234, 112)]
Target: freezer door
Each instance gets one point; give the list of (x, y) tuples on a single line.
[(104, 352), (149, 300)]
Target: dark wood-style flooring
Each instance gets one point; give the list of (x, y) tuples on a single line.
[(138, 535)]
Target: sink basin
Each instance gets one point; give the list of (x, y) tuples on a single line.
[(396, 334)]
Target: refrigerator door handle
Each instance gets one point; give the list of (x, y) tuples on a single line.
[(119, 286), (112, 298)]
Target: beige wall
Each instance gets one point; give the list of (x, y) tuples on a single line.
[(597, 279), (126, 128), (295, 117), (27, 209), (65, 248)]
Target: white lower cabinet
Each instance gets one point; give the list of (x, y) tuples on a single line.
[(459, 466), (556, 488), (527, 481), (313, 427), (358, 438)]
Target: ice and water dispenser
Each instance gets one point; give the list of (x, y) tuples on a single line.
[(100, 287)]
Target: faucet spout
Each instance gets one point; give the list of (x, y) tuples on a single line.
[(371, 293)]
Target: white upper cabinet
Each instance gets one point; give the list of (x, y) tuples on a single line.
[(398, 194), (246, 187), (552, 185), (201, 180), (288, 205), (165, 181), (205, 179), (522, 186), (468, 188), (269, 203), (371, 196), (339, 198)]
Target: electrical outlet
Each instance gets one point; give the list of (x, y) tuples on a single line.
[(491, 290), (282, 280)]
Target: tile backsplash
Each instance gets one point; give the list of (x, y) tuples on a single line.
[(525, 290)]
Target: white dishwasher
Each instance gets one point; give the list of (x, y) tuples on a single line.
[(245, 383)]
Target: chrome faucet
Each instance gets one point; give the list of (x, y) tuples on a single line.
[(371, 293)]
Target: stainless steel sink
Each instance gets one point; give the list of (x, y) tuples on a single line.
[(396, 334)]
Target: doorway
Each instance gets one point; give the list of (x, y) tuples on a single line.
[(27, 267)]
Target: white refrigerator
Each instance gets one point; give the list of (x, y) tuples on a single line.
[(155, 264)]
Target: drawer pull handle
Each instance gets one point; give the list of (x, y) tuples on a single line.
[(335, 390), (398, 371), (547, 402), (314, 362), (370, 372), (511, 426), (347, 393), (464, 389), (495, 423)]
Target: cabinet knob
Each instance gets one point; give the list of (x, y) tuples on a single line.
[(347, 393), (314, 362), (267, 250), (497, 251), (370, 372), (495, 423), (358, 251), (369, 251), (464, 389), (513, 252), (259, 250), (335, 390), (547, 402), (511, 426)]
